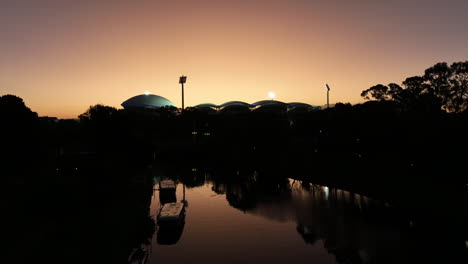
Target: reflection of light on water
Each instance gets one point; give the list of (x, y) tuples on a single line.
[(346, 196), (365, 200), (326, 190), (357, 201)]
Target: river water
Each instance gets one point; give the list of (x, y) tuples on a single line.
[(278, 221), (232, 215)]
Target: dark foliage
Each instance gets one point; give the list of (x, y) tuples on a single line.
[(441, 87)]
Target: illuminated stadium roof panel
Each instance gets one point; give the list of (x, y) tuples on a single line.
[(295, 104), (301, 107), (268, 102), (270, 106), (206, 105), (235, 107), (147, 101), (234, 103)]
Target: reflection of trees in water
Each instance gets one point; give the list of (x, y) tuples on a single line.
[(351, 226), (348, 224), (219, 188), (192, 177), (181, 170), (245, 194)]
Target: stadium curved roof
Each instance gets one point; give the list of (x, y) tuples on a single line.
[(270, 106), (299, 107), (268, 102), (234, 103), (147, 101), (234, 107), (206, 105)]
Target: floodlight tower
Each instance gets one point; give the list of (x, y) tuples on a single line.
[(328, 95), (182, 80)]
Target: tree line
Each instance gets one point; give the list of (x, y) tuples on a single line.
[(441, 87), (439, 96)]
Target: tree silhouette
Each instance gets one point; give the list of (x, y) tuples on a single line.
[(380, 92), (98, 113), (458, 93), (19, 133), (13, 108), (441, 87)]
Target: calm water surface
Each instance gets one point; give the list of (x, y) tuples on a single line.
[(280, 221)]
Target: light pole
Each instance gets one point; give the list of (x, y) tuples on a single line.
[(182, 80), (328, 95)]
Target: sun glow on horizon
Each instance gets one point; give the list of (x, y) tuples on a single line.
[(92, 53)]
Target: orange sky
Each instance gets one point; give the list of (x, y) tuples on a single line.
[(63, 57)]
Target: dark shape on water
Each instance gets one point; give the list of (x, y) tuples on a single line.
[(167, 197), (307, 233), (171, 222), (169, 234)]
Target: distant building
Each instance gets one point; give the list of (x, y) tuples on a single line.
[(267, 106), (150, 102), (147, 101)]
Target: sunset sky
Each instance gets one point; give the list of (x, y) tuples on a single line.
[(63, 56)]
